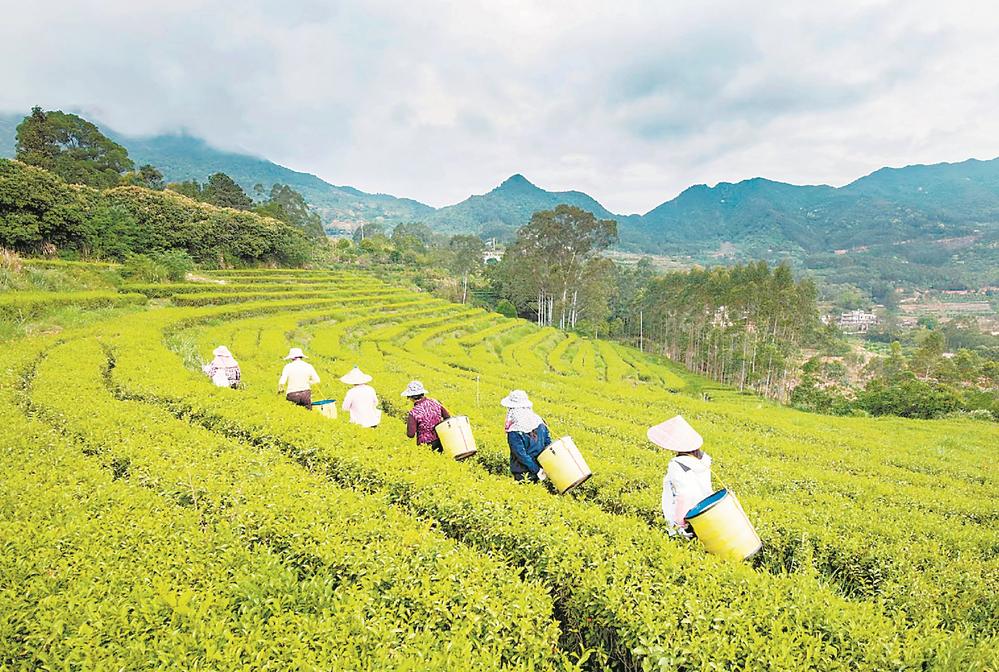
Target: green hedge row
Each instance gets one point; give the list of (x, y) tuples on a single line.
[(864, 554), (21, 306)]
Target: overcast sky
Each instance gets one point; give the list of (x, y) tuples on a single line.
[(629, 101)]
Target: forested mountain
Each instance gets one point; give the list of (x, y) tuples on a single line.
[(935, 224), (508, 207), (183, 157), (889, 206)]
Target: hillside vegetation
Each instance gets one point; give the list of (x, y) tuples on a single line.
[(39, 212), (923, 225), (152, 519)]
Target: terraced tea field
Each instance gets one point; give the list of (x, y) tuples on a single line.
[(151, 520)]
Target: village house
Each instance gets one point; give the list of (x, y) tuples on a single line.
[(856, 321)]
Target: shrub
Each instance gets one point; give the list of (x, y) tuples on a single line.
[(143, 268), (506, 308), (908, 398)]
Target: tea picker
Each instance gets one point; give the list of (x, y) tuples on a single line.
[(688, 476), (361, 401), (526, 435), (297, 379), (689, 505), (423, 418), (223, 369)]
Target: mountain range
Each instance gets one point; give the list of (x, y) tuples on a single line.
[(941, 219)]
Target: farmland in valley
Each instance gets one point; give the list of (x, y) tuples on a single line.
[(149, 519)]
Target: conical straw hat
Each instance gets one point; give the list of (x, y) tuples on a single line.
[(516, 399), (355, 377), (675, 434)]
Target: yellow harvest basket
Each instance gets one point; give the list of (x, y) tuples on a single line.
[(564, 464), (456, 437), (325, 406), (723, 527)]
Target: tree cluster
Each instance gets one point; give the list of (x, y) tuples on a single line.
[(742, 325), (220, 190), (76, 151), (929, 382), (554, 269), (448, 266), (282, 202), (72, 148), (41, 213)]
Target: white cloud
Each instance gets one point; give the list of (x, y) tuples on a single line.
[(629, 101)]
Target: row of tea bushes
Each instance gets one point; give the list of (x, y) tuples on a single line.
[(888, 569), (20, 306), (922, 577), (101, 570), (890, 566), (611, 576), (420, 596)]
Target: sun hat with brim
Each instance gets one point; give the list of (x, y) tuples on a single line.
[(675, 434), (516, 399), (221, 351), (356, 377), (295, 353), (414, 389)]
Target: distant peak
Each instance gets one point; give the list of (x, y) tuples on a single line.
[(516, 181)]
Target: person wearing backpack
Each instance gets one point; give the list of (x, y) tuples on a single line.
[(688, 475), (526, 434)]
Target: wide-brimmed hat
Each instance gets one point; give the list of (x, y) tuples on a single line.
[(675, 434), (221, 351), (414, 389), (295, 353), (517, 399), (355, 377)]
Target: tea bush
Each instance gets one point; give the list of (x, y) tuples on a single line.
[(881, 544), (20, 306)]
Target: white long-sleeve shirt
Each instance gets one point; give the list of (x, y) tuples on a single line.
[(362, 402), (687, 482), (298, 376)]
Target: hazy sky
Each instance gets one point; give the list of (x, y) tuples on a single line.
[(630, 101)]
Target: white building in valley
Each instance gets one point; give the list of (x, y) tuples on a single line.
[(856, 321)]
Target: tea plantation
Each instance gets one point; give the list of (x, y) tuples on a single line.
[(151, 520)]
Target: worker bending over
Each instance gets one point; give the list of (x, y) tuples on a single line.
[(688, 475), (223, 369), (526, 434)]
